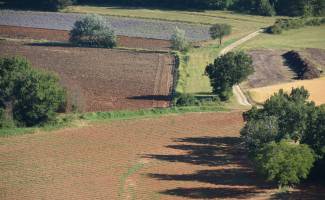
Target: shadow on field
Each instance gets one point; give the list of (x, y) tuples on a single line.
[(234, 177), (152, 97)]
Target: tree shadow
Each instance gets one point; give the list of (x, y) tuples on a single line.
[(234, 177), (152, 97)]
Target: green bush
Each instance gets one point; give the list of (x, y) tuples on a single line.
[(186, 100), (94, 31), (228, 70), (265, 8), (38, 97), (179, 40), (285, 162)]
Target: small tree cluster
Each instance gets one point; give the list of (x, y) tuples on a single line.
[(93, 30), (228, 70), (286, 24), (35, 96), (219, 31), (286, 136), (179, 40)]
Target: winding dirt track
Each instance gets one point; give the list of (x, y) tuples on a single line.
[(241, 98)]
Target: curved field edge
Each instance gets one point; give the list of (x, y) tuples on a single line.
[(315, 87), (75, 120)]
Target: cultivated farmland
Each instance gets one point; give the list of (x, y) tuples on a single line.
[(101, 79), (123, 26), (191, 156), (16, 32)]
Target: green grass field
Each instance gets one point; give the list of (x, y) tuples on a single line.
[(307, 37)]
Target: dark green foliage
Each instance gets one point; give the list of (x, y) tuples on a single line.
[(52, 5), (186, 100), (92, 30), (286, 24), (257, 133), (315, 136), (285, 162), (228, 70), (265, 8), (11, 70), (38, 98), (219, 31), (297, 119), (34, 96)]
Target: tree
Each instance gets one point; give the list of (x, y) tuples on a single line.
[(265, 8), (228, 70), (93, 30), (38, 97), (11, 70), (179, 40), (285, 162), (257, 133), (220, 31)]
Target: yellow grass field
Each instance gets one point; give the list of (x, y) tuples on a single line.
[(315, 87)]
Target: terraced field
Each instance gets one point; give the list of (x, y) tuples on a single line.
[(123, 26)]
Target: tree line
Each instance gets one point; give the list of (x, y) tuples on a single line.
[(261, 7)]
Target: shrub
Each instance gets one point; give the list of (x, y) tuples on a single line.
[(228, 70), (257, 133), (179, 40), (92, 30), (186, 100), (38, 97), (219, 31), (11, 70), (285, 162)]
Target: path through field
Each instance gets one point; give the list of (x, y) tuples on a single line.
[(241, 98)]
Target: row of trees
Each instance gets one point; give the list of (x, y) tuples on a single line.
[(262, 7), (28, 96), (286, 137)]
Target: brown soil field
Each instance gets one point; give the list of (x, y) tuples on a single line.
[(63, 36), (190, 156), (317, 56), (270, 68), (103, 79)]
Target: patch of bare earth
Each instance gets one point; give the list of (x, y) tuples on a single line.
[(191, 156), (270, 68), (103, 79), (16, 32)]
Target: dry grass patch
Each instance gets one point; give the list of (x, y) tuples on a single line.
[(315, 87)]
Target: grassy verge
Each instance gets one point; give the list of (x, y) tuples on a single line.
[(70, 120), (307, 37)]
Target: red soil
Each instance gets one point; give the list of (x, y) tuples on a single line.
[(102, 79), (63, 36), (191, 156)]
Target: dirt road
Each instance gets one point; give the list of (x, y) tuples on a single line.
[(241, 98)]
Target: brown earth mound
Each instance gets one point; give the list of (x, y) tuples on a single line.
[(103, 79), (305, 68), (63, 36)]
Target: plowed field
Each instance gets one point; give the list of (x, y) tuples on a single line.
[(63, 36), (103, 79), (191, 156)]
